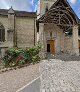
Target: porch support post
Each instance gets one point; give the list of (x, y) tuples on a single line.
[(75, 40), (41, 39)]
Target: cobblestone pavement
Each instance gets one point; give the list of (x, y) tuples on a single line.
[(60, 76)]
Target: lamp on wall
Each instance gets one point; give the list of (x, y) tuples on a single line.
[(51, 34)]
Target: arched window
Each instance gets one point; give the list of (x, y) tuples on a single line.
[(2, 33), (46, 9), (69, 32), (51, 34)]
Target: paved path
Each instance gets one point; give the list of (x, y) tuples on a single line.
[(11, 81), (65, 83), (34, 86)]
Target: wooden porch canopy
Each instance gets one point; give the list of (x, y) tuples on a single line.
[(60, 14)]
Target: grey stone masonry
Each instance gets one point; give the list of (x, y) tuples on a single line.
[(60, 76)]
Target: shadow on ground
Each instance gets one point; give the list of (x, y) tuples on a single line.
[(63, 57), (33, 87)]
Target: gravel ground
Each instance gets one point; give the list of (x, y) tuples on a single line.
[(60, 76), (11, 81)]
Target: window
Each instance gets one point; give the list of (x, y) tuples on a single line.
[(69, 32), (46, 9), (79, 30), (0, 51), (51, 34), (2, 34)]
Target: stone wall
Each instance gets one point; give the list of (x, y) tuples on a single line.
[(63, 43), (25, 28), (57, 35), (68, 44), (4, 22), (42, 6), (60, 76), (6, 44), (25, 31)]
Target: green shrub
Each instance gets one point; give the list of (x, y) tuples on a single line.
[(35, 59), (11, 55), (18, 56)]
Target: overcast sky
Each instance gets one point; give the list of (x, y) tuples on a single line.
[(31, 5)]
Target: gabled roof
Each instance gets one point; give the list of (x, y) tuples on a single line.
[(60, 13), (4, 12)]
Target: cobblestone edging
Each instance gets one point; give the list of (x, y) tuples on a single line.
[(60, 76), (2, 70)]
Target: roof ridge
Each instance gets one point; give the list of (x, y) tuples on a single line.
[(18, 13)]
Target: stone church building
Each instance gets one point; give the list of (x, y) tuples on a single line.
[(55, 25), (58, 27), (17, 28)]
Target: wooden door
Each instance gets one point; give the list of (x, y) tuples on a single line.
[(52, 46)]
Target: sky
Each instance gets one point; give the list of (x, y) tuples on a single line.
[(31, 5), (75, 4)]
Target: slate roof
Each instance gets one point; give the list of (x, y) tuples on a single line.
[(19, 13)]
